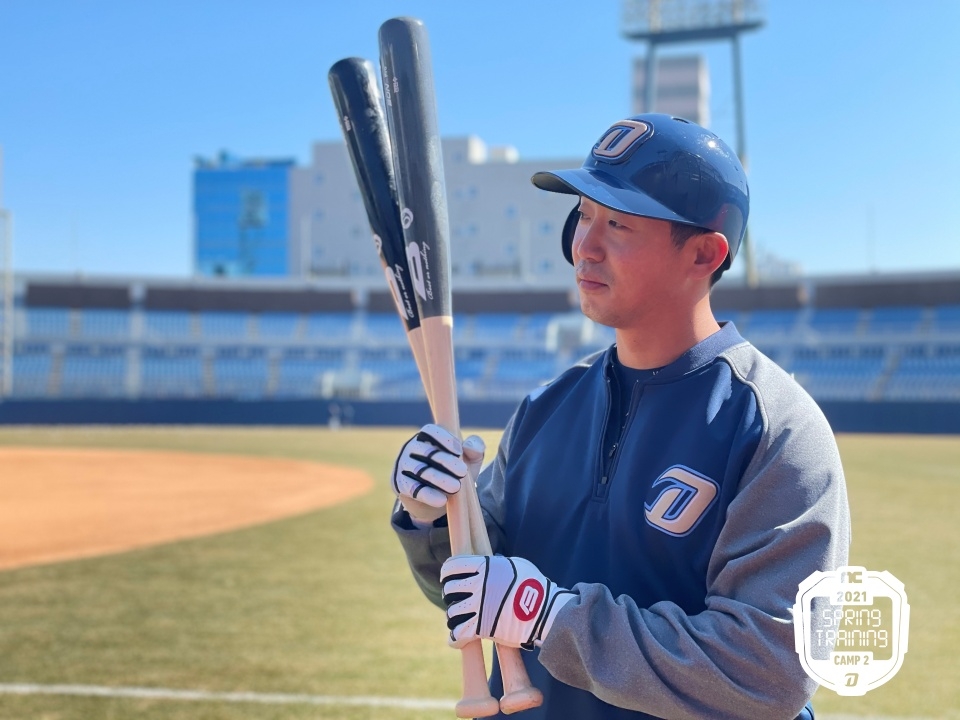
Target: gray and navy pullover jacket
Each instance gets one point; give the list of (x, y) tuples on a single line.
[(685, 548)]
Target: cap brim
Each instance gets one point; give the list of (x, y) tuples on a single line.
[(605, 190)]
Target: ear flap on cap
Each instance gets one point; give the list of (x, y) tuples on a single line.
[(569, 228)]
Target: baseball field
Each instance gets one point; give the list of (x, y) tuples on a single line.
[(250, 573)]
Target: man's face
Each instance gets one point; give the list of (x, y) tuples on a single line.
[(627, 266)]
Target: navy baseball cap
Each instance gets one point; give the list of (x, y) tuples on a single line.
[(662, 167)]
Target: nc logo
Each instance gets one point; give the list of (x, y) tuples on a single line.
[(681, 497)]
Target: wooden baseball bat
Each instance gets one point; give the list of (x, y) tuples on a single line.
[(418, 162), (356, 96)]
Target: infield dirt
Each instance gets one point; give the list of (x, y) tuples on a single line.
[(59, 504)]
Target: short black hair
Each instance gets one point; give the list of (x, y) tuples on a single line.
[(680, 233)]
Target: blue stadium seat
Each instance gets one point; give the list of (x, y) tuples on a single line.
[(240, 372), (301, 370), (105, 324), (534, 328), (48, 323), (888, 320), (166, 324), (768, 322), (232, 325), (32, 366), (93, 371), (836, 321), (381, 327), (525, 366), (278, 326), (500, 326), (934, 376), (839, 373), (462, 327), (329, 326), (946, 319), (171, 372)]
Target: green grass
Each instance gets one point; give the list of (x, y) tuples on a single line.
[(323, 603), (904, 501)]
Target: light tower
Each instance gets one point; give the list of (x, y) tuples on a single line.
[(6, 296), (661, 22)]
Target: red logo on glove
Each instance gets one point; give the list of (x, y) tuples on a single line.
[(527, 601)]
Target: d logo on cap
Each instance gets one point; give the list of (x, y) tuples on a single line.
[(621, 139)]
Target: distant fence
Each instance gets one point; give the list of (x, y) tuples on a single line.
[(867, 417)]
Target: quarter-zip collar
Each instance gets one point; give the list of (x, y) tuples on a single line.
[(703, 353)]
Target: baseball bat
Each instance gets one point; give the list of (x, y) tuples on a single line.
[(356, 96), (415, 142)]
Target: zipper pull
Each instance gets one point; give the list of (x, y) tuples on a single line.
[(603, 480), (613, 449)]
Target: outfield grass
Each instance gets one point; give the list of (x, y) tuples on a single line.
[(323, 603)]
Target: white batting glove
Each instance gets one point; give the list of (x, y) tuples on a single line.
[(504, 599), (428, 469)]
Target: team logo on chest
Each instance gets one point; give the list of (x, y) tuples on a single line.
[(678, 500)]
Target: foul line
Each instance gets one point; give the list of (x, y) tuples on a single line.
[(142, 693)]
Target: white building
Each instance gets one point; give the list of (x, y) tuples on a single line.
[(503, 230)]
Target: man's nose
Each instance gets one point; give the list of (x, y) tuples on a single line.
[(587, 241)]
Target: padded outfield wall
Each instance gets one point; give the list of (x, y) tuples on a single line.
[(844, 416)]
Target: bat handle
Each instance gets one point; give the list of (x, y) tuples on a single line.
[(477, 700), (518, 693)]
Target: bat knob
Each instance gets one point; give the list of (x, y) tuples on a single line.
[(477, 707), (473, 449), (519, 700)]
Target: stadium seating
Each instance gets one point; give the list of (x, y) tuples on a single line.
[(385, 327), (767, 322), (278, 326), (301, 371), (330, 327), (32, 371), (534, 327), (878, 353), (923, 375), (840, 373), (946, 319), (240, 372), (895, 320), (220, 325), (53, 323), (166, 324), (171, 372), (93, 371), (104, 324), (498, 327), (836, 322)]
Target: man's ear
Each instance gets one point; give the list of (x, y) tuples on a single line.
[(710, 250)]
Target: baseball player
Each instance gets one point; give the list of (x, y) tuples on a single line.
[(655, 507)]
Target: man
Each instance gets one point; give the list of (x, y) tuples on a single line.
[(675, 488)]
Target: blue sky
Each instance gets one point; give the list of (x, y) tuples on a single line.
[(853, 113)]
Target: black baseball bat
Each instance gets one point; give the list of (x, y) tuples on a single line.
[(353, 85), (410, 98)]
